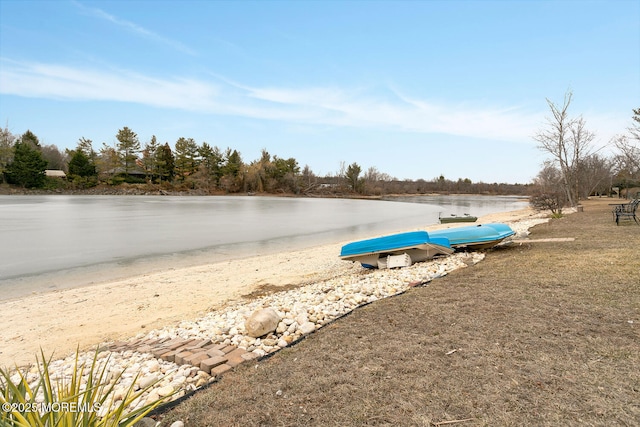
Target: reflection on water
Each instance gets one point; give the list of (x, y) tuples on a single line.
[(475, 205), (50, 242)]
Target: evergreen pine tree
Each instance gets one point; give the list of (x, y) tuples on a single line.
[(81, 165), (128, 148), (149, 158), (186, 157), (165, 162), (27, 167)]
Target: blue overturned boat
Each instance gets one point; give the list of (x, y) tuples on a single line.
[(483, 236), (396, 250)]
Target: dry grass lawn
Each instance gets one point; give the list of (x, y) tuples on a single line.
[(542, 334)]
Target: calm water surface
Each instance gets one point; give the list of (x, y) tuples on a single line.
[(53, 242)]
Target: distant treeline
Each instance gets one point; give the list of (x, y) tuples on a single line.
[(199, 168)]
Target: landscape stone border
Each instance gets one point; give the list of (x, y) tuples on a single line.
[(211, 358)]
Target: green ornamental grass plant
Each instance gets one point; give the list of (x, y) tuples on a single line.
[(69, 402)]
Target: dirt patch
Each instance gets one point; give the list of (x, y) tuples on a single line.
[(539, 333), (268, 289)]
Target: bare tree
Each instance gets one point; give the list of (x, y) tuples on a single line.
[(55, 158), (626, 166), (634, 129), (549, 177), (548, 193), (569, 142), (626, 163), (6, 149), (629, 155), (371, 178), (595, 173), (580, 143), (108, 160)]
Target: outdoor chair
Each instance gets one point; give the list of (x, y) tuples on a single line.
[(627, 210)]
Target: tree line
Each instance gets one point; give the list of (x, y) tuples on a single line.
[(23, 162), (202, 167), (576, 169)]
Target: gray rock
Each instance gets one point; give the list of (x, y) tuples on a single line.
[(145, 422)]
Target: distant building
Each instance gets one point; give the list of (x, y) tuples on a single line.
[(55, 173)]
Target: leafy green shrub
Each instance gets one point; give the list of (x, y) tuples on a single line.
[(84, 182), (123, 178), (70, 402), (55, 184)]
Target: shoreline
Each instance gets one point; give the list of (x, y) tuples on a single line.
[(59, 322), (63, 249)]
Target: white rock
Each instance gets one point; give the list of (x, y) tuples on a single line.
[(152, 397), (292, 327), (261, 322), (153, 366), (165, 391), (260, 352), (269, 342), (302, 318), (282, 327), (307, 328), (118, 393), (178, 380), (148, 380)]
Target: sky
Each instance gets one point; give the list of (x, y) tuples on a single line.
[(415, 89)]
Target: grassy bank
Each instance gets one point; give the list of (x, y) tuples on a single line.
[(542, 333)]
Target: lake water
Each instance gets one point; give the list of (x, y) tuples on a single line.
[(53, 242)]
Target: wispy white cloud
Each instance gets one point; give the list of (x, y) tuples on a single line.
[(35, 80), (334, 106), (136, 29), (357, 107)]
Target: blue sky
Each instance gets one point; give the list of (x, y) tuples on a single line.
[(415, 89)]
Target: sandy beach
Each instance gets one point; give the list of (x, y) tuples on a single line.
[(58, 322)]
